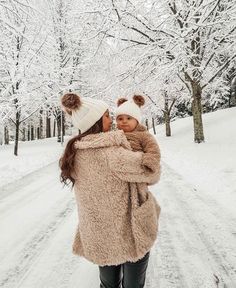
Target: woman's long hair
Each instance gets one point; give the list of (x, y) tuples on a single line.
[(66, 162)]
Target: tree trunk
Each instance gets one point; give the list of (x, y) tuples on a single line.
[(17, 124), (23, 134), (60, 119), (232, 100), (32, 133), (6, 136), (197, 113), (48, 127), (167, 116), (54, 128), (15, 90), (63, 127), (28, 132), (40, 128), (58, 126), (167, 124), (38, 133), (153, 126)]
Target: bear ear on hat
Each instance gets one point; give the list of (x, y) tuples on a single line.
[(121, 101), (71, 101), (139, 100)]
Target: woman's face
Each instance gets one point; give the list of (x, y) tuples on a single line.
[(106, 121)]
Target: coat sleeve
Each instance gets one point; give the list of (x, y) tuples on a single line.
[(152, 154), (128, 166)]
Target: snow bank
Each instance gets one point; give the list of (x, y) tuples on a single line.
[(209, 166), (32, 156)]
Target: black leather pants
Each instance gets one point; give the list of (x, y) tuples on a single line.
[(126, 275)]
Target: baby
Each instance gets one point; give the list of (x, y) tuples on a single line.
[(128, 118)]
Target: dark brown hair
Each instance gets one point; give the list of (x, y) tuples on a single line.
[(66, 162)]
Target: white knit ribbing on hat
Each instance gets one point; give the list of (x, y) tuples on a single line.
[(90, 111), (129, 108)]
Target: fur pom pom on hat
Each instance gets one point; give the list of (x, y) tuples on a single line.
[(84, 112), (139, 100), (121, 101), (131, 107), (71, 101)]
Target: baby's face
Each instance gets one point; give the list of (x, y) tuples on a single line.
[(126, 123)]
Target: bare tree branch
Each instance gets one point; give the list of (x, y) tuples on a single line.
[(127, 40), (212, 10), (29, 115), (150, 99), (222, 40), (221, 69), (116, 10), (139, 31), (173, 102), (12, 121), (186, 84)]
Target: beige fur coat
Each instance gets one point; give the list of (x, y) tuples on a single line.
[(144, 228), (104, 168), (141, 140)]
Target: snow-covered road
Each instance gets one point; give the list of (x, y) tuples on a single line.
[(196, 246), (197, 239)]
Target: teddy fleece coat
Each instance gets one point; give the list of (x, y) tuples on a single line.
[(144, 206), (141, 140), (104, 167)]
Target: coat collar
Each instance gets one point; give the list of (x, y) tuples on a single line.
[(140, 128), (107, 139)]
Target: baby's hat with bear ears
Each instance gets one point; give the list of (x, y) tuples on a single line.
[(130, 107)]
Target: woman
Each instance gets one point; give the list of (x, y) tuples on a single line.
[(100, 164)]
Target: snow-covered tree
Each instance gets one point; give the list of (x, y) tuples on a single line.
[(20, 57), (202, 46), (194, 39)]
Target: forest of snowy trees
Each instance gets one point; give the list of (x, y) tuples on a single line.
[(179, 54)]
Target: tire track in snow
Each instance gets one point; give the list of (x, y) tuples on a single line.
[(35, 247), (224, 218), (163, 268), (207, 229), (56, 265), (9, 189), (226, 273), (24, 190)]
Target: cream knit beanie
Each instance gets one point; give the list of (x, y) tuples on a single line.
[(130, 107), (84, 112)]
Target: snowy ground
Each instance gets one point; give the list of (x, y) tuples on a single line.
[(210, 167), (31, 156), (197, 238)]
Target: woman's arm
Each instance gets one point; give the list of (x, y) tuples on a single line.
[(128, 166)]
